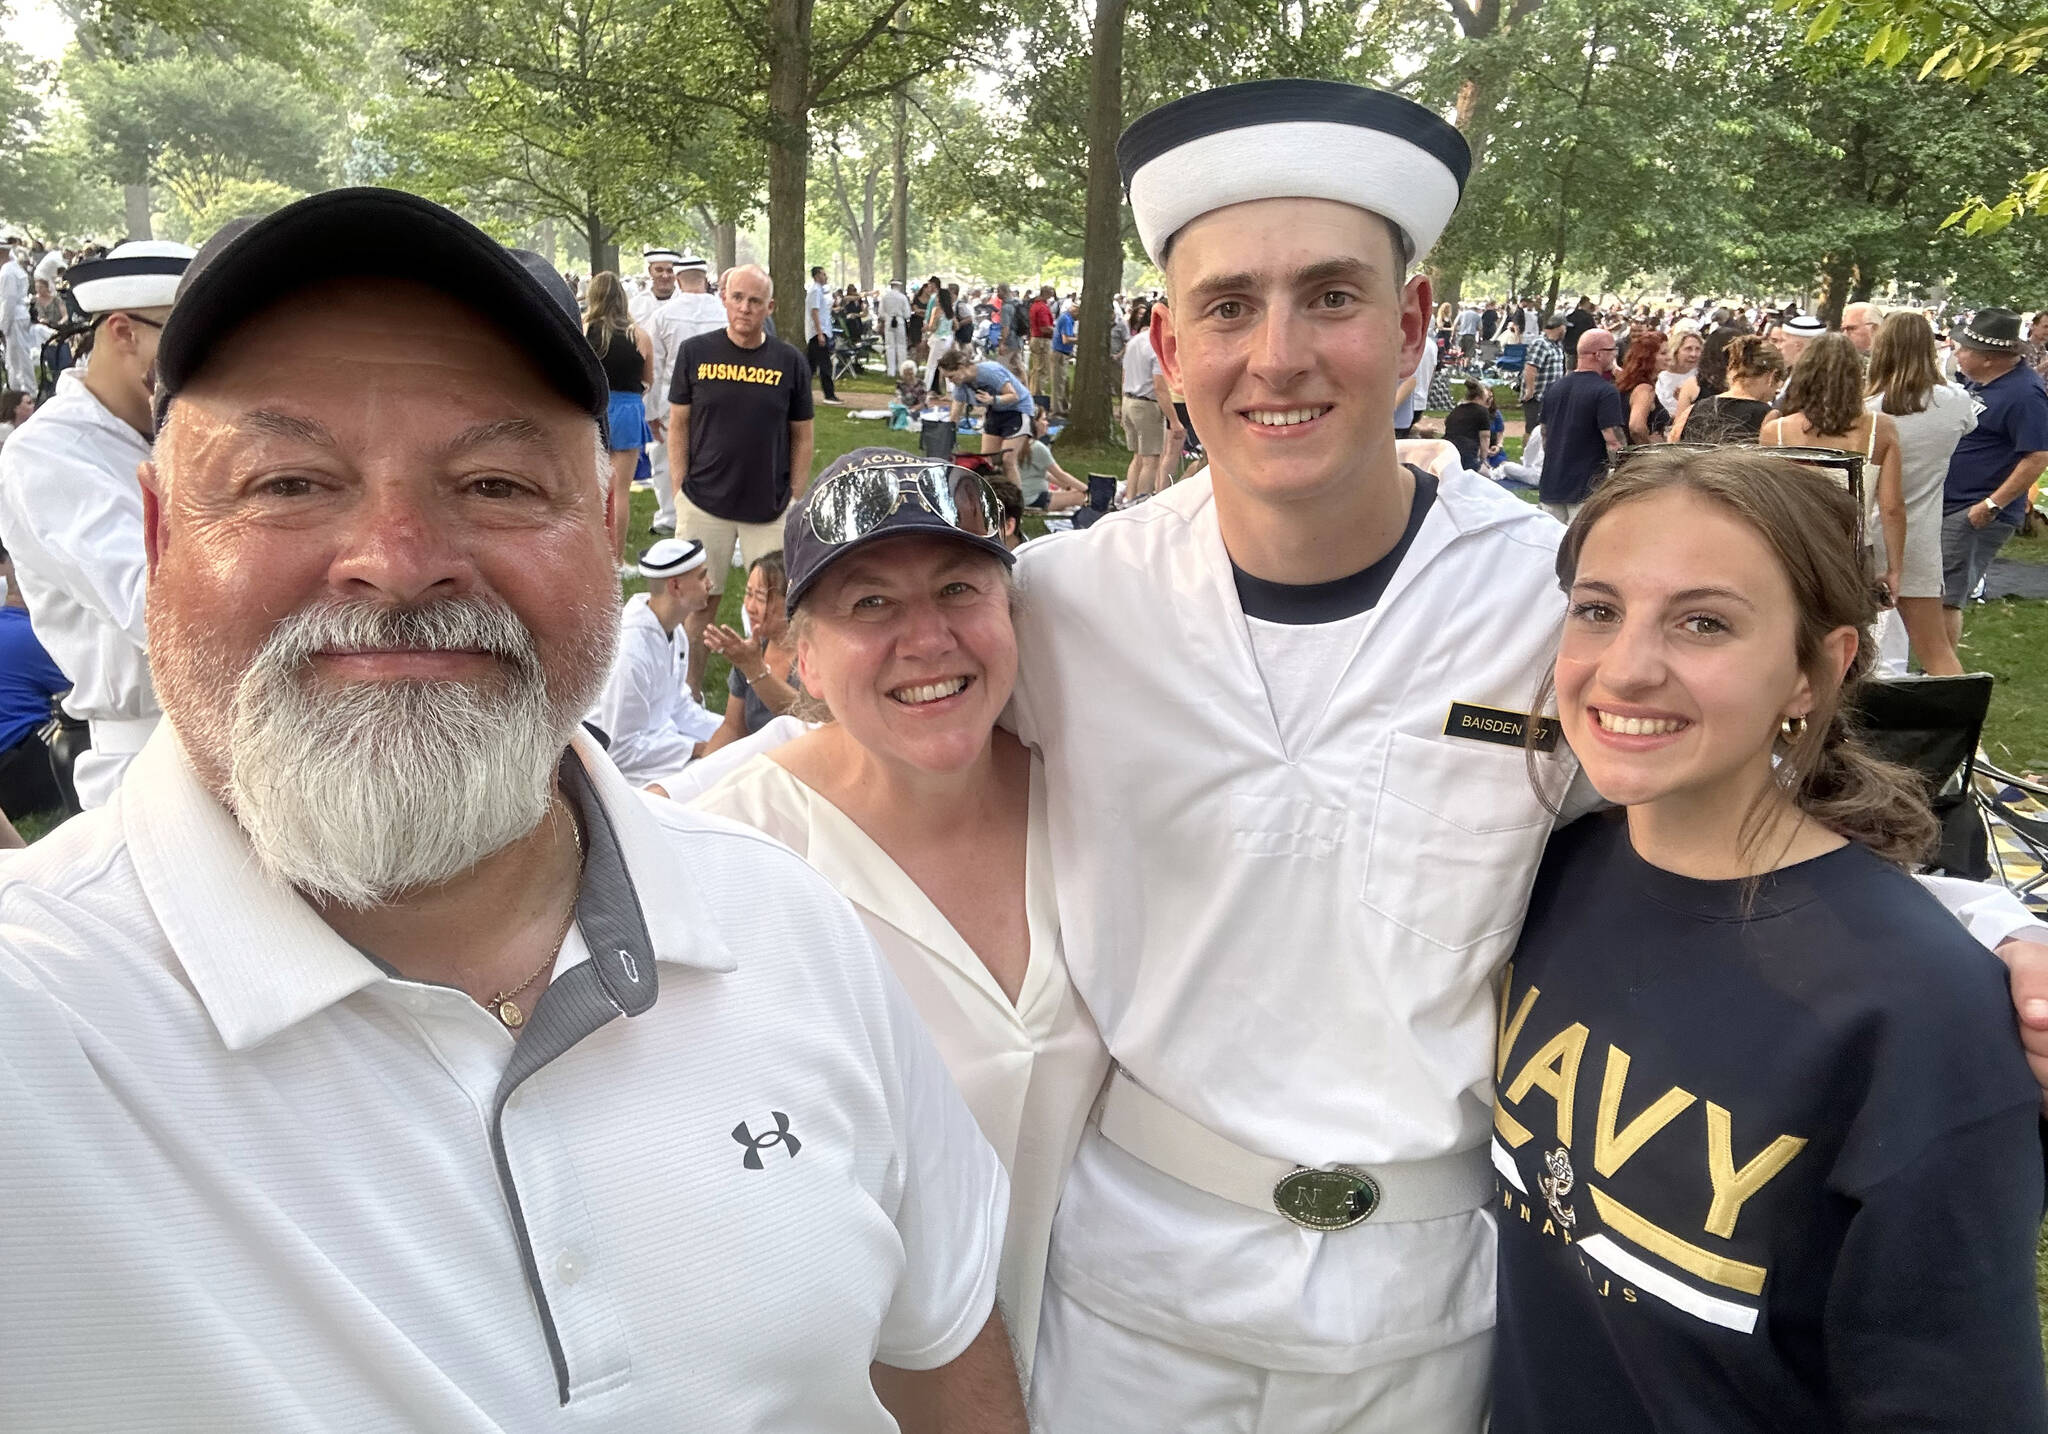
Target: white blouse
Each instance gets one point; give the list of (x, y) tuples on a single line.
[(1030, 1071)]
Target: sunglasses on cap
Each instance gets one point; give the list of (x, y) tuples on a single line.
[(854, 503)]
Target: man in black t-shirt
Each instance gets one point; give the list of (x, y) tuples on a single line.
[(741, 403), (1584, 420)]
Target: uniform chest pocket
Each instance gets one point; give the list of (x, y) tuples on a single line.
[(1457, 832)]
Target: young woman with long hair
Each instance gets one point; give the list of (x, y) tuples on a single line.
[(1767, 1141), (1753, 370), (1637, 381), (1930, 417), (627, 356), (1823, 408)]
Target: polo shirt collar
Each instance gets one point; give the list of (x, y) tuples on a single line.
[(261, 959)]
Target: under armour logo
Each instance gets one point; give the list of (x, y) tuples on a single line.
[(757, 1143)]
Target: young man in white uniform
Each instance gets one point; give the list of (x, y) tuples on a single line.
[(380, 1060), (1285, 892), (893, 309), (15, 319), (71, 508), (654, 721), (686, 309)]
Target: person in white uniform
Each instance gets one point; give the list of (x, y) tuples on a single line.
[(929, 818), (679, 305), (15, 319), (71, 508), (1285, 895), (893, 309), (382, 1060), (656, 725)]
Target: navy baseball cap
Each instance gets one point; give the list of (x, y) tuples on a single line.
[(252, 264), (874, 494)]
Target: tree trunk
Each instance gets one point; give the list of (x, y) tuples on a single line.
[(1836, 273), (1102, 264), (135, 205), (598, 240), (789, 146), (544, 240), (899, 192), (869, 238), (1861, 287), (725, 244)]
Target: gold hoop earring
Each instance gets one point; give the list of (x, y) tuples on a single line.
[(1793, 728)]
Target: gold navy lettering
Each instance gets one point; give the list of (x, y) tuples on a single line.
[(1553, 1068), (737, 373)]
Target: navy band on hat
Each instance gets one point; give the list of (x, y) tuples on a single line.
[(653, 256), (1293, 139), (1805, 324), (141, 274), (672, 557)]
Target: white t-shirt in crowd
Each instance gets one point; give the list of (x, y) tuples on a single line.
[(1141, 366), (253, 1180)]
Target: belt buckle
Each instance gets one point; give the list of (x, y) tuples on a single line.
[(1332, 1199)]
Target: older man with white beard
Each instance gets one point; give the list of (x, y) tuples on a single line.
[(378, 1059)]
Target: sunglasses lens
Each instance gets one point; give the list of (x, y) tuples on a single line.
[(853, 504)]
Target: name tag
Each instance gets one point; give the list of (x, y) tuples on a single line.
[(1498, 724)]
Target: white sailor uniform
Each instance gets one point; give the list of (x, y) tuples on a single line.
[(646, 707), (71, 516), (15, 324), (1287, 915)]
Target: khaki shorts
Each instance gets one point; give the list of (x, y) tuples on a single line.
[(1144, 427), (718, 536)]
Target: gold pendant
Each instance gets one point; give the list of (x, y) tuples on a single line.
[(511, 1015)]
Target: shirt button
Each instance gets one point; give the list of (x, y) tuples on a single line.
[(569, 1267)]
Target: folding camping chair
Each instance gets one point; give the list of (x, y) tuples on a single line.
[(1511, 361), (1933, 725), (2021, 806)]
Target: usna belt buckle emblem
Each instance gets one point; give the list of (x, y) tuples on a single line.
[(1334, 1199)]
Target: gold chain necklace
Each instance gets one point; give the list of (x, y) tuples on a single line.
[(502, 1005)]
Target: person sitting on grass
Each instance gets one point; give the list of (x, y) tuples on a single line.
[(762, 684), (1046, 486)]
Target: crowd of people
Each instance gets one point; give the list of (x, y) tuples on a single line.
[(1148, 978)]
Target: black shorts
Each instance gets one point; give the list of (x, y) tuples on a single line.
[(1194, 439), (1043, 500), (1003, 422)]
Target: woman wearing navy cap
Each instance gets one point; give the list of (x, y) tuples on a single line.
[(929, 817)]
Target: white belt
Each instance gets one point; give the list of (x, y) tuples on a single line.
[(1329, 1198), (120, 736)]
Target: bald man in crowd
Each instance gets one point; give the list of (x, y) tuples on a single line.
[(739, 435)]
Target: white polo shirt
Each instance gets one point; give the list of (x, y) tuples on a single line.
[(252, 1181)]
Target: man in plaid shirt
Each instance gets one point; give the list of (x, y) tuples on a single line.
[(1543, 367)]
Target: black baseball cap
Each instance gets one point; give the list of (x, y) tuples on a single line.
[(252, 264), (806, 555)]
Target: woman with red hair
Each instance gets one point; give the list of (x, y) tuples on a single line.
[(1647, 419)]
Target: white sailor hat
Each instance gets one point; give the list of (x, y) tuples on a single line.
[(141, 274), (1292, 139), (671, 558), (693, 261), (1806, 326), (661, 256)]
